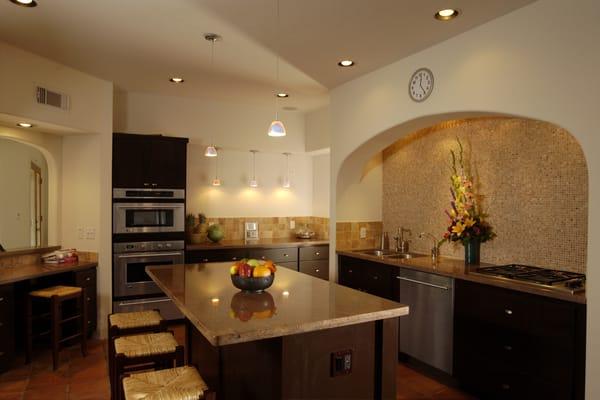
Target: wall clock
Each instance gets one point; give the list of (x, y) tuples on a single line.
[(420, 85)]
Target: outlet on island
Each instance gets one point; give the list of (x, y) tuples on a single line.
[(341, 363), (363, 233), (292, 224)]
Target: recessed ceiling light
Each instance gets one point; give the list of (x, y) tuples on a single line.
[(282, 95), (25, 125), (24, 3), (446, 14), (176, 80), (346, 63)]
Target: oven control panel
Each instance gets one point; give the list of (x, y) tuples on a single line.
[(137, 247)]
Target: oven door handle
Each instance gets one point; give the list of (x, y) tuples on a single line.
[(148, 255), (137, 303)]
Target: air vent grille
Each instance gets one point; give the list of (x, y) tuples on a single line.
[(51, 98)]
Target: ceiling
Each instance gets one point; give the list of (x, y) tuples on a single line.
[(139, 44)]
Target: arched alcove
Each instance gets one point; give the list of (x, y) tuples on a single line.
[(533, 175)]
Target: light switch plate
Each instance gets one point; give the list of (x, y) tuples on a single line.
[(363, 233), (292, 224)]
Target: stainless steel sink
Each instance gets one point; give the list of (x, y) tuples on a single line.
[(403, 256), (375, 252)]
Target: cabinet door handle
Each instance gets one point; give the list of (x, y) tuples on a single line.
[(233, 258), (205, 260), (88, 279), (349, 271), (89, 299), (316, 269), (154, 185), (317, 254), (375, 277), (1, 299), (508, 311), (285, 255), (146, 184), (508, 347)]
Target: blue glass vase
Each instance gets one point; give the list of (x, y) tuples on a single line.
[(472, 251)]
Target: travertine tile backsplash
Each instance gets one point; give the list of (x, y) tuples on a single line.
[(272, 227), (533, 176), (348, 235)]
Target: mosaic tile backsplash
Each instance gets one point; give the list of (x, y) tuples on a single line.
[(533, 176)]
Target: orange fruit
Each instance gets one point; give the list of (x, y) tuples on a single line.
[(261, 271)]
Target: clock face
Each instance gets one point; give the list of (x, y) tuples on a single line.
[(420, 85)]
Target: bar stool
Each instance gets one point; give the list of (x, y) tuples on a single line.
[(181, 383), (129, 323), (57, 295), (141, 352)]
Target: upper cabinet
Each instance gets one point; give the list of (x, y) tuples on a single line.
[(149, 161)]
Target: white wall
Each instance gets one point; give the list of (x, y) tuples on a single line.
[(318, 129), (91, 112), (321, 181), (537, 62), (15, 196), (361, 201), (234, 198), (231, 125)]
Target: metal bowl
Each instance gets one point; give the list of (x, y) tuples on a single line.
[(252, 284)]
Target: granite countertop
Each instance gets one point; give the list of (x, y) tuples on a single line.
[(295, 303), (17, 272), (457, 269), (261, 243)]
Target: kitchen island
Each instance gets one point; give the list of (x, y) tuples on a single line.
[(303, 338)]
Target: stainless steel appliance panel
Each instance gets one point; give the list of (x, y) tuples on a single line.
[(426, 333), (148, 217), (129, 274), (165, 305), (137, 193)]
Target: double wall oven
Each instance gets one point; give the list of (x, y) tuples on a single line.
[(148, 229)]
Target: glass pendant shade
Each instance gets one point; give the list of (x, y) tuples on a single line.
[(253, 183), (286, 183), (211, 151), (277, 129), (216, 182)]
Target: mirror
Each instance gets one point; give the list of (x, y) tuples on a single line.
[(23, 196)]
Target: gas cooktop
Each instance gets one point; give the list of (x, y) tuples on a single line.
[(560, 280)]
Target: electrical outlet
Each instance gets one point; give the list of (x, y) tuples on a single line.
[(363, 233), (80, 233), (292, 224), (90, 233), (341, 363)]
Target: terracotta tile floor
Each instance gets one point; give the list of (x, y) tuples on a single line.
[(80, 378)]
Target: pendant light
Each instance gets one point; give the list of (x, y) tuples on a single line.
[(277, 129), (253, 182), (211, 151), (286, 180), (216, 181)]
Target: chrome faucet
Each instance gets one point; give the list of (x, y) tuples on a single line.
[(401, 243), (435, 250)]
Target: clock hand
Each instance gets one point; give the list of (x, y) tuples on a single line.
[(421, 84)]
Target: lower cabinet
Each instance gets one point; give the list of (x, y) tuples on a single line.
[(367, 276), (87, 279), (514, 345), (219, 255), (7, 327)]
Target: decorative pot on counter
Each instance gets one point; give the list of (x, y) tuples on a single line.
[(215, 233), (472, 248)]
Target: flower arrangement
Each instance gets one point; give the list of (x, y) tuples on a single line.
[(467, 221)]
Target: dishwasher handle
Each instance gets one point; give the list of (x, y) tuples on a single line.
[(423, 283)]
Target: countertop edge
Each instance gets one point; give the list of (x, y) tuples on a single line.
[(53, 269), (223, 339), (573, 298), (256, 245)]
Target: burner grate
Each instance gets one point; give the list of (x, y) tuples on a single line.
[(531, 274)]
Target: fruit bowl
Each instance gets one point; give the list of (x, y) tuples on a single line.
[(252, 284)]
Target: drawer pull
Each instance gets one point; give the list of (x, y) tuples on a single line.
[(316, 269), (508, 347), (508, 311), (89, 299), (1, 298), (233, 258), (349, 271), (285, 255), (505, 386), (263, 258), (88, 279), (89, 322), (317, 253), (375, 277), (205, 260)]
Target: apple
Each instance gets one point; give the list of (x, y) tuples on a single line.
[(254, 263), (234, 269)]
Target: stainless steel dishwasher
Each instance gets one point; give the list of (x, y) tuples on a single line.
[(426, 333)]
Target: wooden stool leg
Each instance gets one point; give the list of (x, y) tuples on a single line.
[(29, 330), (55, 318), (84, 318)]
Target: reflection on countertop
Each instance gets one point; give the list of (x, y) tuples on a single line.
[(302, 303), (457, 269)]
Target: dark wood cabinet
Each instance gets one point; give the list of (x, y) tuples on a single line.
[(87, 279), (514, 345), (285, 254), (367, 276), (314, 260), (217, 255), (149, 161), (7, 327)]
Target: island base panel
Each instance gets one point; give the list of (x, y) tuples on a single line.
[(300, 366)]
